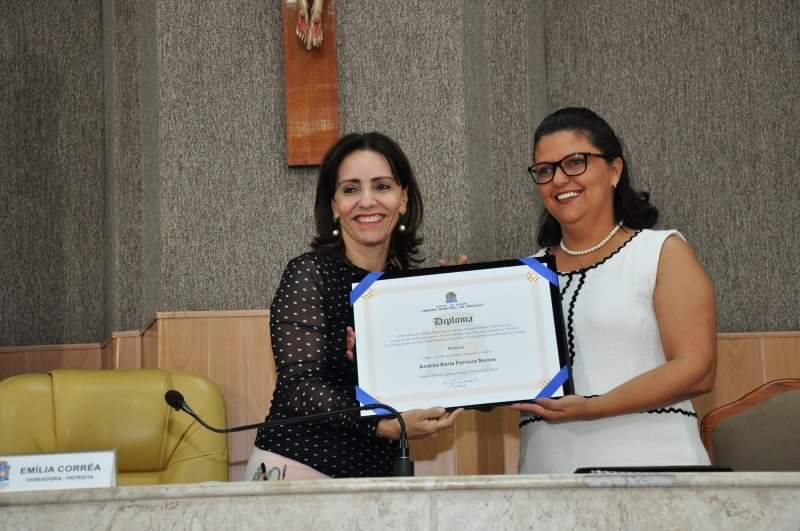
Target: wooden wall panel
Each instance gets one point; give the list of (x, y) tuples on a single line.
[(479, 443), (123, 350), (241, 362), (150, 346), (511, 438), (232, 349), (12, 362), (128, 350), (739, 369), (747, 360), (44, 358), (781, 357), (481, 451), (183, 342), (82, 358), (236, 472), (106, 358), (466, 450), (435, 456)]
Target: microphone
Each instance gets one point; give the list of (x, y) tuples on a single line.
[(403, 465), (175, 400)]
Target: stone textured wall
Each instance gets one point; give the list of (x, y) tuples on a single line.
[(442, 78), (143, 143), (51, 172), (124, 220), (705, 97)]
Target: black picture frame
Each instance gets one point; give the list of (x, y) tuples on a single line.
[(555, 305)]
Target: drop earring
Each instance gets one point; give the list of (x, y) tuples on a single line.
[(401, 227), (335, 231)]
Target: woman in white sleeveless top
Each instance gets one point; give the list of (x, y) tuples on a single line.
[(638, 307)]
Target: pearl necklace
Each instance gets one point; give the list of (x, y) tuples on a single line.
[(592, 248)]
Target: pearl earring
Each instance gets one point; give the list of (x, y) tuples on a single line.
[(335, 231)]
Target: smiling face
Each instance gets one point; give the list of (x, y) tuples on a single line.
[(368, 202), (583, 199)]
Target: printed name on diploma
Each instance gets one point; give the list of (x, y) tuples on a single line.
[(456, 363)]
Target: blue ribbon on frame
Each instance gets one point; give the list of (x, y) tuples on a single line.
[(529, 261), (553, 385), (362, 396), (364, 285), (563, 375), (541, 269), (365, 398), (558, 380)]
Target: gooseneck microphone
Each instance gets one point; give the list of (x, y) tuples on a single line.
[(403, 465)]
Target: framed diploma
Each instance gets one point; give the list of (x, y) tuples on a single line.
[(461, 336)]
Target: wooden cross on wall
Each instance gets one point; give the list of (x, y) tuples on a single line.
[(312, 83)]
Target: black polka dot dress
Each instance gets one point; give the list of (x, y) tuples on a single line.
[(308, 320)]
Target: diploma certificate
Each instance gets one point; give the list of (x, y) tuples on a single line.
[(460, 336)]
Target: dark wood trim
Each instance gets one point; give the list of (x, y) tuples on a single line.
[(715, 417)]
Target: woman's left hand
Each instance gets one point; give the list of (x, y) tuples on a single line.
[(570, 407), (419, 423)]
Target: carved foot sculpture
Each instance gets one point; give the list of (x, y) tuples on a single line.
[(315, 35), (302, 21)]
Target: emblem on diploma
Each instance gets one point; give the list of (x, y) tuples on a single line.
[(461, 336)]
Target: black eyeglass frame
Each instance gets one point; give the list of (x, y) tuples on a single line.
[(558, 164)]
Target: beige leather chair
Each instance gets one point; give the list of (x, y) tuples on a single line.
[(80, 410), (758, 432)]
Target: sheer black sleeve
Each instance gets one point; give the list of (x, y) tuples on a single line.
[(308, 341)]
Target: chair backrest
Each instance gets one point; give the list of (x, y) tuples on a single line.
[(80, 410), (758, 432)]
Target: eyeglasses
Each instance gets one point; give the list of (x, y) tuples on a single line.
[(572, 165)]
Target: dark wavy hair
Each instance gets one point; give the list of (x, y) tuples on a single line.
[(403, 248), (631, 207)]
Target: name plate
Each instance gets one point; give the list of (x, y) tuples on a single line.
[(73, 470), (460, 336)]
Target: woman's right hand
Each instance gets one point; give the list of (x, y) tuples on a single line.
[(420, 423)]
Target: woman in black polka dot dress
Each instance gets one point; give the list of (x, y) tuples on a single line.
[(368, 209)]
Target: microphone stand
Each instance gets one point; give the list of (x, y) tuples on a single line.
[(403, 465)]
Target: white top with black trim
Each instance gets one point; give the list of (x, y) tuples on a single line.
[(612, 337), (308, 317)]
